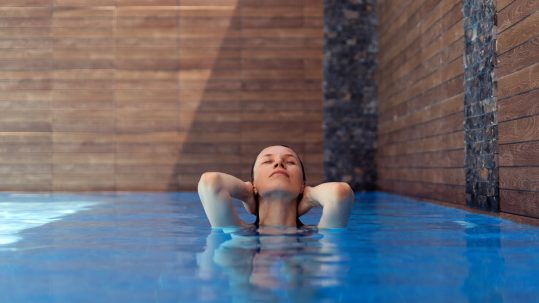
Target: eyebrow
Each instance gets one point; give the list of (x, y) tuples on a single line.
[(286, 155)]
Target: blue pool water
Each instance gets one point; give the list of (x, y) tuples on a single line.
[(158, 247)]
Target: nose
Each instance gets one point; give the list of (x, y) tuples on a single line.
[(278, 162)]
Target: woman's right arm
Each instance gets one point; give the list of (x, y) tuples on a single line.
[(217, 191)]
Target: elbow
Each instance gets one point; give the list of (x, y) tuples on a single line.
[(344, 197), (208, 178), (209, 182), (344, 192), (345, 203)]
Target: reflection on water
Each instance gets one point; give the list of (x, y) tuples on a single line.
[(18, 216), (486, 264), (284, 263), (160, 248)]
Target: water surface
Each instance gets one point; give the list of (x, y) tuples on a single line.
[(158, 247)]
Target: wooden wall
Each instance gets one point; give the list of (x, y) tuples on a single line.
[(517, 76), (420, 76), (148, 94)]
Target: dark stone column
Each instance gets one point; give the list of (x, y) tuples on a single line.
[(480, 122), (350, 100)]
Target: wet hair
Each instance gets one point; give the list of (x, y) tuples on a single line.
[(257, 196)]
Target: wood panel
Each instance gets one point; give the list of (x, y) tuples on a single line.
[(452, 176), (514, 12), (519, 82), (420, 127), (518, 106), (450, 141), (444, 125), (519, 130), (410, 31), (437, 110), (440, 92), (516, 35), (519, 154), (517, 75), (438, 159), (20, 171), (523, 178), (426, 191), (426, 58), (523, 203), (148, 94), (518, 57), (25, 80)]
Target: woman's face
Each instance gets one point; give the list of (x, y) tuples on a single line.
[(277, 168)]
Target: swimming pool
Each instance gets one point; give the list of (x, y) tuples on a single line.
[(158, 247)]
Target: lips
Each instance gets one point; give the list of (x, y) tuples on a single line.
[(279, 172)]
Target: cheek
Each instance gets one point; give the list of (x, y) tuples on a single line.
[(259, 174), (298, 176)]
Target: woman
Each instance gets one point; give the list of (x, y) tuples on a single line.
[(276, 194)]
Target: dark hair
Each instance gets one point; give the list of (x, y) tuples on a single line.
[(257, 197)]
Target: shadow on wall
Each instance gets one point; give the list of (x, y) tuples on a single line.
[(250, 77)]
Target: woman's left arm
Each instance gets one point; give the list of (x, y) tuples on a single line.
[(336, 200)]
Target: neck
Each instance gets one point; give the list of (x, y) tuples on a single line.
[(277, 212)]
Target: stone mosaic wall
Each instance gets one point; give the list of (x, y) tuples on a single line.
[(350, 100), (480, 123)]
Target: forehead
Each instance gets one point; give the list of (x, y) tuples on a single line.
[(276, 150)]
